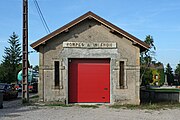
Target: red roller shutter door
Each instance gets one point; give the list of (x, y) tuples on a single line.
[(89, 81)]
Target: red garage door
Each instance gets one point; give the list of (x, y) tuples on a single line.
[(89, 81)]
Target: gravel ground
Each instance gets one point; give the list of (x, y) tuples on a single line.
[(15, 111)]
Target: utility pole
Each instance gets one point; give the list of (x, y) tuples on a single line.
[(25, 88)]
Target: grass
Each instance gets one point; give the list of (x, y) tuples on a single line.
[(89, 106), (147, 106), (64, 105), (58, 104), (35, 96), (25, 101), (153, 106)]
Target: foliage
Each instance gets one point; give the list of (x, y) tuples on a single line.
[(156, 76), (158, 73), (162, 77), (1, 74), (36, 68), (147, 78), (11, 60), (177, 75), (148, 55), (146, 59), (169, 73), (149, 106), (177, 70)]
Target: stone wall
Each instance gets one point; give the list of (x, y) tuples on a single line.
[(89, 31)]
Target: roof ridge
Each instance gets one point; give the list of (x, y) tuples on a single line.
[(83, 17)]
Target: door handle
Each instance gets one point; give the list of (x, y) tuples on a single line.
[(105, 88)]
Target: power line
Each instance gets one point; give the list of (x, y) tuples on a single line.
[(41, 17)]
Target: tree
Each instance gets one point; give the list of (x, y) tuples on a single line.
[(148, 55), (177, 74), (36, 68), (177, 70), (169, 73), (146, 59), (1, 74), (11, 60)]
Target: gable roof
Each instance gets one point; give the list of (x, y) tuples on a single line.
[(143, 45)]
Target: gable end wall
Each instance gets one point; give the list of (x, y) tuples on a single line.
[(89, 31)]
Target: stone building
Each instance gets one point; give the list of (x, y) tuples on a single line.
[(89, 60)]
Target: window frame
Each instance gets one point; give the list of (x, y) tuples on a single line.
[(56, 73)]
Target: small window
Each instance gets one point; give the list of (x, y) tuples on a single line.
[(56, 73), (121, 73)]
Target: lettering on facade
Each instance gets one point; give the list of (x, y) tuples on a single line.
[(98, 45)]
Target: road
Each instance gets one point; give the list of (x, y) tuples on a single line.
[(30, 94), (14, 110), (15, 102)]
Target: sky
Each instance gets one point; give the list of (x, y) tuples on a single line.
[(158, 18)]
